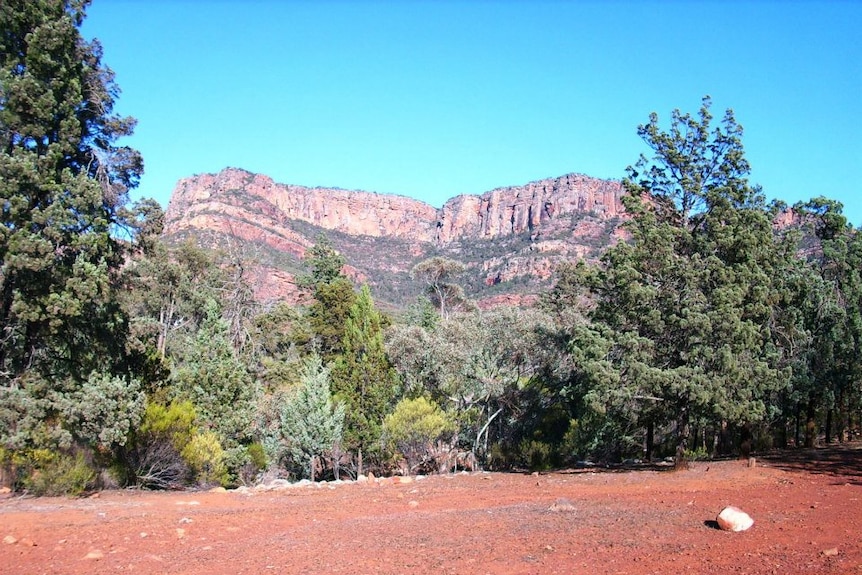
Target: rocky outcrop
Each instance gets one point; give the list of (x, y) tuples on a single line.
[(236, 195), (518, 209), (505, 234)]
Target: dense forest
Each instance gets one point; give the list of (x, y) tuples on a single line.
[(710, 331)]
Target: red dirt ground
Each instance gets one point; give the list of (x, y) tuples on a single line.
[(807, 508)]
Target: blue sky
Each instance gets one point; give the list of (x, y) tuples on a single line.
[(434, 99)]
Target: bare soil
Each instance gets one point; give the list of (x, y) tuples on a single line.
[(807, 507)]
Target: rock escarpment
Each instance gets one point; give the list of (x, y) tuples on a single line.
[(504, 236)]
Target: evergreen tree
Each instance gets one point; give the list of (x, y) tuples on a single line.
[(311, 423), (438, 274), (215, 379), (363, 378), (682, 312), (63, 185)]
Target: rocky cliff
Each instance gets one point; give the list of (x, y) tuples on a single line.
[(511, 238)]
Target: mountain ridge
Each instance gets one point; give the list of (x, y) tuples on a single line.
[(509, 238)]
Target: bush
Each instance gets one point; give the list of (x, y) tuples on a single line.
[(206, 459), (59, 474), (535, 455), (414, 427), (154, 459)]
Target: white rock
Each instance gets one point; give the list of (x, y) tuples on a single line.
[(734, 519)]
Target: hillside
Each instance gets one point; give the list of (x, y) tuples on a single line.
[(511, 239)]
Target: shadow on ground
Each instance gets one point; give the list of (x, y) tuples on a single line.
[(842, 460)]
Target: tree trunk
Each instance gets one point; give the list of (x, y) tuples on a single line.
[(829, 415), (796, 438), (683, 431), (311, 468), (650, 440), (810, 425), (359, 463)]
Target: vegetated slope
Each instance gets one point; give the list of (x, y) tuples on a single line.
[(511, 239)]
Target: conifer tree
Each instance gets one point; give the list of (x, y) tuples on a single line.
[(63, 187), (682, 313), (311, 423), (363, 378)]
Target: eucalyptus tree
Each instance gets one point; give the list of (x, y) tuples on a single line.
[(475, 365), (439, 275)]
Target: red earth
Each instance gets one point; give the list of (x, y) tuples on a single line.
[(807, 508)]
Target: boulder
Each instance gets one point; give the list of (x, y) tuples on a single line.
[(734, 519)]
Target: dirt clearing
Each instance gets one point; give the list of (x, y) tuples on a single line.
[(807, 508)]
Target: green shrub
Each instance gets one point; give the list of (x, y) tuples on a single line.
[(699, 454), (206, 459), (413, 429), (59, 474), (535, 455)]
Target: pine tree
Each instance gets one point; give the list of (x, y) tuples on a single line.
[(311, 423), (215, 379), (63, 186), (363, 378), (682, 312)]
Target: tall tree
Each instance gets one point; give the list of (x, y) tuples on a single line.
[(215, 379), (63, 184), (681, 317), (439, 274), (363, 378), (834, 367)]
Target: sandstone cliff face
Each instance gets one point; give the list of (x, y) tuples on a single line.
[(382, 236), (236, 194), (517, 209)]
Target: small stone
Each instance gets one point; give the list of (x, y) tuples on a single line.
[(371, 476), (5, 490), (180, 532), (218, 490), (361, 479), (143, 534), (413, 503), (830, 552), (95, 495), (9, 540), (185, 520), (94, 554), (27, 542), (734, 519)]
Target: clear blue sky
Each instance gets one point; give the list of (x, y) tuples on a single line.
[(438, 98)]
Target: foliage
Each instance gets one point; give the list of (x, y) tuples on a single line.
[(681, 318), (438, 274), (215, 379), (414, 428), (311, 423), (475, 364), (325, 263), (104, 410), (206, 459), (327, 316), (362, 377), (60, 474), (153, 458), (64, 183)]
